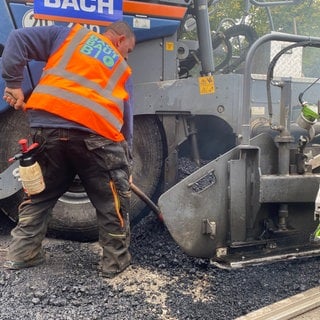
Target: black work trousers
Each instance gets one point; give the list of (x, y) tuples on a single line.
[(102, 166)]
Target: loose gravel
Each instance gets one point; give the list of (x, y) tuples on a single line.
[(161, 283)]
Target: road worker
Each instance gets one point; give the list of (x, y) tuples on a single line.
[(80, 114)]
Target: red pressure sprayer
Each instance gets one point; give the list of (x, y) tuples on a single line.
[(29, 169)]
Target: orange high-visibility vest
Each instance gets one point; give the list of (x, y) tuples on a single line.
[(84, 81)]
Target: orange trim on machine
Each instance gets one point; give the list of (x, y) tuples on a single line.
[(154, 9), (135, 7)]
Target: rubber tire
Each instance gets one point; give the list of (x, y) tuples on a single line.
[(77, 221), (223, 39), (148, 162), (235, 31), (13, 127), (73, 216)]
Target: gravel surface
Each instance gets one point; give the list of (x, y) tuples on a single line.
[(162, 283)]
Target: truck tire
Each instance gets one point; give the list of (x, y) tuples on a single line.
[(227, 53), (148, 162), (13, 127), (74, 216)]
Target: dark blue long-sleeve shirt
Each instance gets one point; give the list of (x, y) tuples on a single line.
[(38, 43)]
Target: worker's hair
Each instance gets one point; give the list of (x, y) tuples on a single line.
[(121, 28)]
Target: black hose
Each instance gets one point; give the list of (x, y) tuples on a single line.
[(273, 62)]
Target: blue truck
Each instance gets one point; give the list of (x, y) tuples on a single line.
[(200, 98), (152, 23)]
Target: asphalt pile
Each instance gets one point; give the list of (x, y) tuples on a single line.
[(161, 283)]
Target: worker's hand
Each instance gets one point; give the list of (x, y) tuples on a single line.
[(14, 97), (130, 179)]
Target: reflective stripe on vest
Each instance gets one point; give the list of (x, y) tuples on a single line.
[(94, 103)]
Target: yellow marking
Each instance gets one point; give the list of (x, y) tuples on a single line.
[(169, 46), (206, 85)]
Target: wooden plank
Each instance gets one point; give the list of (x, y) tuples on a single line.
[(288, 308)]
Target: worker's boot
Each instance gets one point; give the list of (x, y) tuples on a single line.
[(25, 249), (116, 256), (17, 265)]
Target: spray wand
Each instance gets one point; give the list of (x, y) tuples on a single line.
[(25, 150)]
